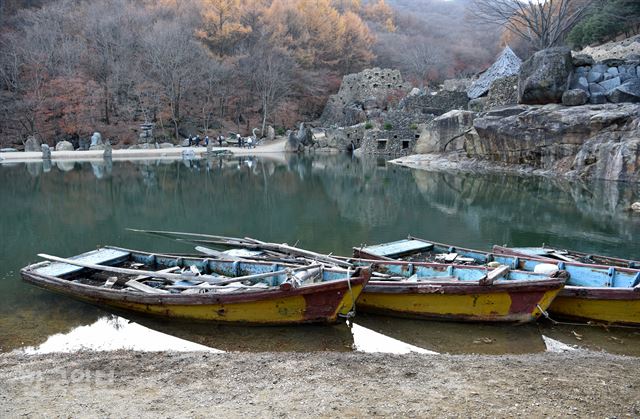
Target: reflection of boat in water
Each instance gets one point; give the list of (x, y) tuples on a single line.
[(593, 292), (457, 338), (205, 289), (226, 337)]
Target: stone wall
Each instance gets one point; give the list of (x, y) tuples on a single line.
[(612, 80), (360, 94), (387, 142)]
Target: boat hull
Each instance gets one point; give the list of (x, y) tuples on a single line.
[(318, 303), (618, 306), (460, 302)]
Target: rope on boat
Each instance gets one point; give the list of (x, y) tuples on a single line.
[(606, 326), (352, 313)]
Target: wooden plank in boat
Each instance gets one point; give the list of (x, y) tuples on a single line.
[(97, 257), (145, 288), (398, 248)]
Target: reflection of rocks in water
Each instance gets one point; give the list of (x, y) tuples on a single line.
[(149, 176), (65, 165), (34, 169), (46, 165), (102, 168), (556, 207), (366, 192)]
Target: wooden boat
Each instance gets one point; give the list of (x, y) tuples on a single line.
[(421, 290), (607, 290), (460, 293), (593, 292), (193, 288), (555, 254)]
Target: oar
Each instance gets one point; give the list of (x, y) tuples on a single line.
[(285, 248), (176, 277)]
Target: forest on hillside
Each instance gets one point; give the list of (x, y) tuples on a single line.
[(69, 68)]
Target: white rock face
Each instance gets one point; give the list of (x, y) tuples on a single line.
[(635, 206), (506, 65)]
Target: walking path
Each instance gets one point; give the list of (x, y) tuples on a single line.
[(276, 146)]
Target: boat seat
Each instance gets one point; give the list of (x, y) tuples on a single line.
[(398, 248), (102, 256)]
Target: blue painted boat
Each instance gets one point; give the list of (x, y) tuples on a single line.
[(593, 291)]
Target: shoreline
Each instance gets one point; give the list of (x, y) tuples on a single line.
[(175, 153), (125, 383)]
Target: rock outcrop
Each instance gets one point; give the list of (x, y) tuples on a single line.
[(298, 140), (544, 77), (591, 141), (507, 64), (446, 132)]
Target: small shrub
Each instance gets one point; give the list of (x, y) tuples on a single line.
[(414, 127), (281, 131), (368, 125), (388, 126)]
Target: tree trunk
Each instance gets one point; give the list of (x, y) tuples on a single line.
[(106, 104), (264, 117)]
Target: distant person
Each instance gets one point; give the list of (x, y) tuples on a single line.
[(197, 140), (241, 140), (190, 140), (249, 142), (206, 140), (220, 139)]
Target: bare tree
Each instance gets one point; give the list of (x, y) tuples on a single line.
[(271, 73), (422, 59), (174, 61), (543, 23)]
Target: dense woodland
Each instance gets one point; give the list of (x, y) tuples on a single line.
[(69, 67)]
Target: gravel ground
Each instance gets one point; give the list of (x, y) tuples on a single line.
[(117, 384)]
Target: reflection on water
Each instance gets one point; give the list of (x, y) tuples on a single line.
[(326, 203)]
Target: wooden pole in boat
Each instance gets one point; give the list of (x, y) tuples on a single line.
[(302, 252), (175, 277)]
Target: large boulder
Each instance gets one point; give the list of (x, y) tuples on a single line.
[(446, 132), (271, 133), (575, 97), (506, 65), (64, 146), (629, 91), (32, 144), (545, 76), (297, 141)]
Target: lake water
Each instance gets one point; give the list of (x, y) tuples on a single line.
[(325, 203)]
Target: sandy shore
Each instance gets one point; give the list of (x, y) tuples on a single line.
[(139, 154), (117, 384)]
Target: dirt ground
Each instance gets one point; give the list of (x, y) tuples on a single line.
[(117, 384)]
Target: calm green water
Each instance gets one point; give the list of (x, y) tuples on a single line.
[(326, 203)]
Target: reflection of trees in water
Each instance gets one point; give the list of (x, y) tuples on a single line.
[(530, 210), (366, 192)]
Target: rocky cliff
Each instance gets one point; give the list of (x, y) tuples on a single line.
[(592, 141)]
